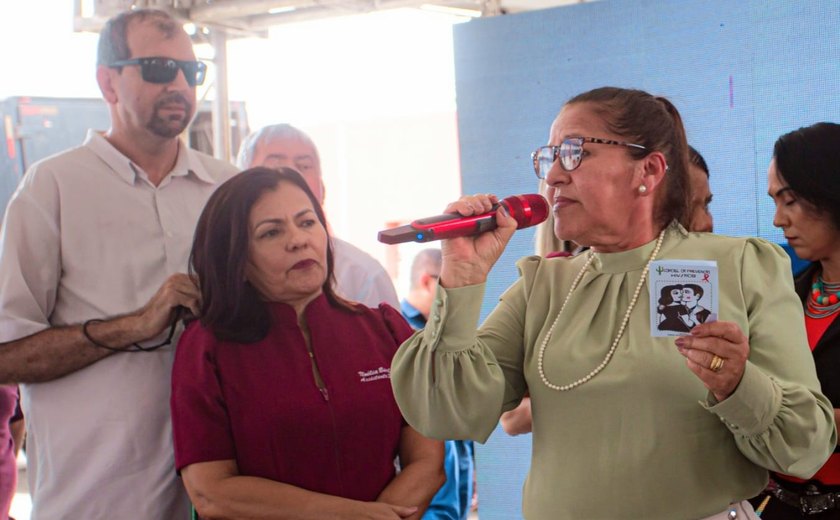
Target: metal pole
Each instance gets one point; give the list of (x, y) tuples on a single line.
[(221, 104)]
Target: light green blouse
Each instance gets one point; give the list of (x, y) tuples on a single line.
[(644, 438)]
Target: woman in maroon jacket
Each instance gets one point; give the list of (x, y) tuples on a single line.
[(281, 394)]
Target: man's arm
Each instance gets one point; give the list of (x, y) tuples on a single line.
[(58, 351)]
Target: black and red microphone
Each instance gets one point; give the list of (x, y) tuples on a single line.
[(528, 210)]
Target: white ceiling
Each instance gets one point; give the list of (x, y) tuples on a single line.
[(254, 17), (515, 6)]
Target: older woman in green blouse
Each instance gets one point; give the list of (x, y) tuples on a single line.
[(626, 425)]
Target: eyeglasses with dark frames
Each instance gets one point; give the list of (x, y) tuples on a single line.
[(159, 70), (570, 153)]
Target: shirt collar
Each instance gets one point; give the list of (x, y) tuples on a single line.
[(412, 315), (187, 162)]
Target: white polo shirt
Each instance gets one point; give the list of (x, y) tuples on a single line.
[(86, 235), (359, 277)]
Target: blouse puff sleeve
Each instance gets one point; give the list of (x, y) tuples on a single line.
[(452, 381), (779, 418)]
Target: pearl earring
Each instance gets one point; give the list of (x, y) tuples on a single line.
[(642, 189)]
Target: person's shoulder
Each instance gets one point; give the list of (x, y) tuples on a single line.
[(74, 154), (218, 169), (59, 163), (753, 254), (394, 320), (733, 244), (536, 271), (381, 315), (347, 248), (347, 253), (46, 178), (530, 262), (196, 335), (533, 263)]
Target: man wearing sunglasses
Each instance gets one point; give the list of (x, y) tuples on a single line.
[(93, 256)]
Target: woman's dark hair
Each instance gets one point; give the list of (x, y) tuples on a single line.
[(665, 297), (696, 159), (808, 160), (654, 123), (231, 308), (698, 291)]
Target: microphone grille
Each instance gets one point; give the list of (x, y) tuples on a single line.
[(528, 210)]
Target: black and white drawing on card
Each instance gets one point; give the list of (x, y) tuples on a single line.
[(683, 294)]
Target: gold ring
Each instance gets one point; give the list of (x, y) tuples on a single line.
[(716, 364)]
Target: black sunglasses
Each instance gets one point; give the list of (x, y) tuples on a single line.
[(570, 153), (157, 69)]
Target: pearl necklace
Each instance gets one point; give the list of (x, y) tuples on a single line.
[(608, 357)]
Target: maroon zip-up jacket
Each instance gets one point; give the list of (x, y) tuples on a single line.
[(260, 404)]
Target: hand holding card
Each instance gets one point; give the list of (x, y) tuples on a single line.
[(717, 353)]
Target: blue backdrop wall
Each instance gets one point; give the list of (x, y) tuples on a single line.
[(741, 74)]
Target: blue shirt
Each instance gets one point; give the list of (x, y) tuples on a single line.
[(412, 315)]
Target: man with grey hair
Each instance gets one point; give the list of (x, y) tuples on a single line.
[(93, 259), (359, 277)]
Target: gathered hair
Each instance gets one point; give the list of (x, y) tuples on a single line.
[(231, 307), (665, 297), (655, 123), (808, 159)]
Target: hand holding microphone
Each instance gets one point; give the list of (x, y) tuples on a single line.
[(482, 231), (469, 216)]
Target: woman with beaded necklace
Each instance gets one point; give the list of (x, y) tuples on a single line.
[(625, 425), (804, 182)]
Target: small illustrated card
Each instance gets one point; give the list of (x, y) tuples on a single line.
[(683, 294)]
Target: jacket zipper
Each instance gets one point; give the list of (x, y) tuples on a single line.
[(319, 382), (316, 373)]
